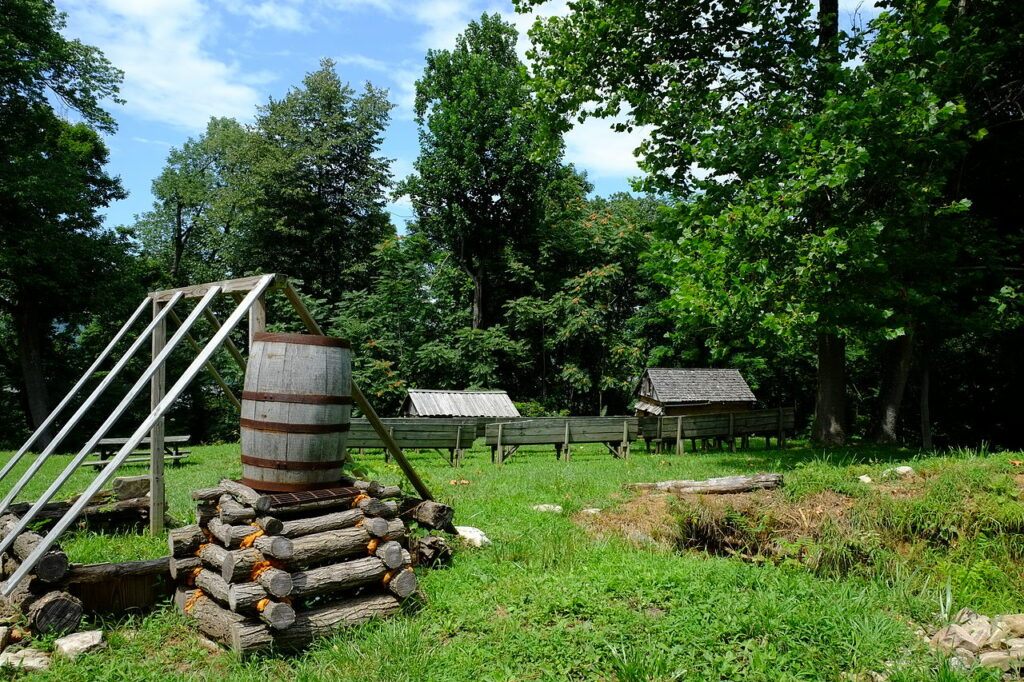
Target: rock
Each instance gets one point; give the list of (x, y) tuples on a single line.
[(997, 638), (965, 658), (129, 487), (553, 508), (964, 615), (74, 645), (865, 479), (30, 660), (953, 637), (1012, 623), (1012, 643), (590, 510), (474, 537), (5, 637), (995, 659)]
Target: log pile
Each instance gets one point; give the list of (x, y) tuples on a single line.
[(278, 570)]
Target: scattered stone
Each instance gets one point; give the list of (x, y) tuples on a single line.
[(74, 645), (1014, 643), (964, 615), (590, 510), (865, 479), (208, 644), (1013, 624), (29, 660), (995, 659), (474, 537), (964, 656), (553, 508), (953, 637), (128, 487)]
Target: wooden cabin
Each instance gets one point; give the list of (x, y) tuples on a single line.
[(671, 391), (441, 403)]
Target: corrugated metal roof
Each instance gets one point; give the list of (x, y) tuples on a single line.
[(670, 385), (440, 403)]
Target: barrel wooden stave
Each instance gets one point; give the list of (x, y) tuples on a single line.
[(289, 460)]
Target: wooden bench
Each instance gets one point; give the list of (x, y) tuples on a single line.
[(173, 452)]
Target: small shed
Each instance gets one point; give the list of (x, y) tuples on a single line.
[(670, 391), (441, 403)]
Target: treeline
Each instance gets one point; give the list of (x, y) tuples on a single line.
[(836, 213)]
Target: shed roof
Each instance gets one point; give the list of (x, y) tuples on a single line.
[(674, 385), (441, 403)]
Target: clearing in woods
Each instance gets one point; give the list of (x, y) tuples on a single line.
[(826, 577)]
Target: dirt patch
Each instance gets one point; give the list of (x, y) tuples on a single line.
[(644, 520)]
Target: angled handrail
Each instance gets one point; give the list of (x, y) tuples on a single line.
[(51, 447), (13, 461), (126, 401), (158, 412)]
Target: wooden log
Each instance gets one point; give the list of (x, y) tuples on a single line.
[(228, 535), (277, 614), (431, 551), (248, 637), (371, 488), (55, 613), (128, 487), (179, 568), (334, 578), (276, 582), (715, 486), (243, 597), (319, 524), (238, 564), (97, 573), (403, 583), (213, 620), (384, 529), (329, 546), (51, 567), (231, 512), (251, 598), (206, 511), (387, 509), (246, 495), (208, 494), (275, 547), (213, 585), (431, 515), (213, 556), (389, 491), (104, 513), (185, 541), (270, 525), (391, 553)]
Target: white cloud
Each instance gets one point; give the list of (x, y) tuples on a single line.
[(286, 16), (170, 77), (443, 19), (594, 146)]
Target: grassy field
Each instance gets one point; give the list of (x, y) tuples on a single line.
[(550, 601)]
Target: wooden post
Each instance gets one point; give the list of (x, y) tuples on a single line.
[(732, 431), (257, 318), (568, 446), (157, 386), (680, 448), (501, 449), (457, 453), (624, 448), (782, 431)]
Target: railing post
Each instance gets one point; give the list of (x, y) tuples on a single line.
[(257, 319), (680, 448), (501, 449), (157, 387), (568, 446)]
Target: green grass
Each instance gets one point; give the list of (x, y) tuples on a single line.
[(548, 602)]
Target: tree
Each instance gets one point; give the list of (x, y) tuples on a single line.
[(54, 255), (316, 184), (479, 179)]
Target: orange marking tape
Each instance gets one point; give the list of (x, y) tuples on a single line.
[(259, 569), (199, 551), (388, 576)]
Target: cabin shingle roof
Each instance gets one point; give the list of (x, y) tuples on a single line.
[(671, 385), (442, 403)]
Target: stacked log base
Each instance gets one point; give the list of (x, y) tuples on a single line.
[(263, 571)]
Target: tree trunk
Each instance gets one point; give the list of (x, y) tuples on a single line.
[(926, 417), (31, 340), (898, 355), (478, 297), (830, 405)]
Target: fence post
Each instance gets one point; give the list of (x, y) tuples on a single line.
[(501, 449), (732, 431), (680, 448), (624, 448), (782, 431), (157, 387), (568, 447), (457, 455)]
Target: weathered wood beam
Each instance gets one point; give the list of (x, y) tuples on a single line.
[(228, 286)]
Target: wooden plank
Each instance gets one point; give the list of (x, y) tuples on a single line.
[(228, 286), (157, 390), (218, 379), (228, 343), (145, 441), (257, 319)]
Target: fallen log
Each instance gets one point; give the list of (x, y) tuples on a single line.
[(185, 541), (329, 546), (206, 511), (51, 567), (429, 514), (319, 524), (715, 486), (250, 598), (248, 637), (96, 573)]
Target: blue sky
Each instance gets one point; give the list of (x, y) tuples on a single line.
[(187, 60)]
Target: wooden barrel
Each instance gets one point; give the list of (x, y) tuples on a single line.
[(295, 412)]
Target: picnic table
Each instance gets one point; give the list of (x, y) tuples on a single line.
[(173, 452)]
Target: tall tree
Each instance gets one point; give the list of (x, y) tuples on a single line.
[(479, 180), (53, 253)]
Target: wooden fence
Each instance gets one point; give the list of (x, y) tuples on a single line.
[(773, 422), (415, 433), (616, 433)]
